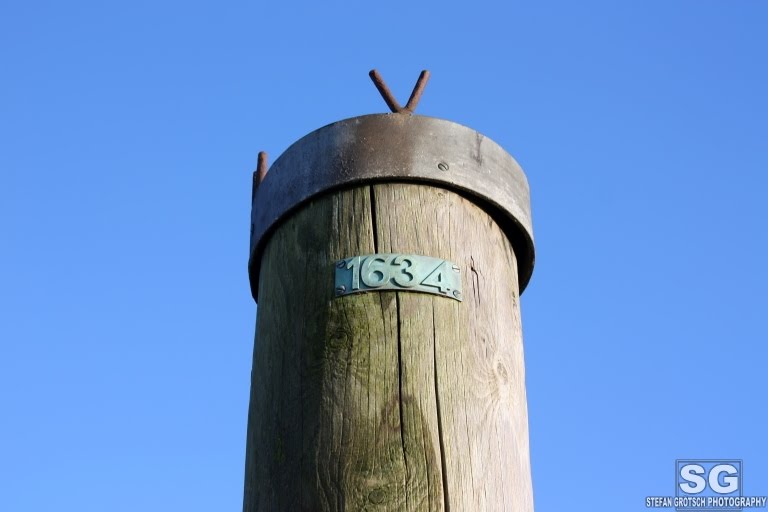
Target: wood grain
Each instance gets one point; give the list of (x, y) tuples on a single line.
[(387, 400)]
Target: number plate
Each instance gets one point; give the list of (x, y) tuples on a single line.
[(399, 272)]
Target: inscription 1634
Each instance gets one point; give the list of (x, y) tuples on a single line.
[(399, 272)]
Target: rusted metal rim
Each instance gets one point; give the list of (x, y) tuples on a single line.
[(396, 148)]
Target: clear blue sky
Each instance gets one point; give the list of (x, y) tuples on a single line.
[(129, 131)]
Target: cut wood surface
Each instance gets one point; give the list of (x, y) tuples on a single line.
[(387, 400)]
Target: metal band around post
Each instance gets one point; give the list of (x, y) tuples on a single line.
[(396, 148)]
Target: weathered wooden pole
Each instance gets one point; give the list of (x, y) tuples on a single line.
[(387, 256)]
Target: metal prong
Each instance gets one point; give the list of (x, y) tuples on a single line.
[(390, 100), (259, 174), (421, 83)]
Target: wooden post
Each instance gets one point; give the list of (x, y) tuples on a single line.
[(389, 400)]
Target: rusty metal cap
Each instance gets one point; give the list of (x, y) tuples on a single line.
[(396, 148)]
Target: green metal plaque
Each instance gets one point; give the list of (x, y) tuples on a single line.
[(398, 272)]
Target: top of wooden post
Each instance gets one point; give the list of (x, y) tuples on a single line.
[(396, 148)]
